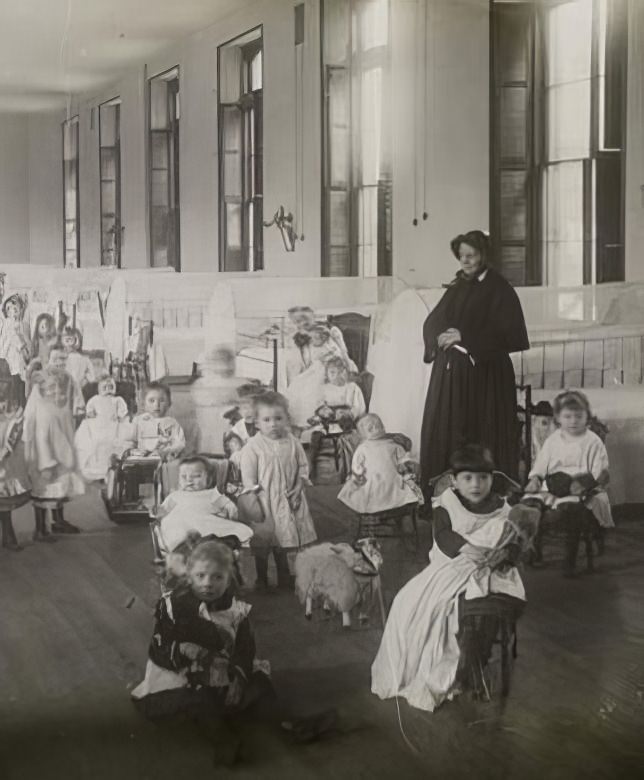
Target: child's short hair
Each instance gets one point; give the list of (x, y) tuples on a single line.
[(571, 399), (194, 460), (542, 409), (249, 390), (300, 310), (271, 398), (213, 552), (323, 330), (371, 417), (334, 362), (472, 457), (160, 387)]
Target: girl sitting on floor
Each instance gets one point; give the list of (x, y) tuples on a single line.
[(473, 554), (381, 472), (274, 472), (202, 664), (571, 469), (197, 506)]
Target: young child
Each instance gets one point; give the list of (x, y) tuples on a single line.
[(58, 361), (44, 337), (201, 659), (79, 366), (473, 554), (342, 399), (155, 431), (571, 468), (379, 472), (232, 448), (245, 428), (198, 506), (274, 464), (49, 449), (105, 431), (14, 343), (542, 426), (13, 474)]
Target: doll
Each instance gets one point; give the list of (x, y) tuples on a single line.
[(380, 472), (44, 337), (105, 431), (232, 449), (49, 449), (79, 366), (13, 474), (14, 343)]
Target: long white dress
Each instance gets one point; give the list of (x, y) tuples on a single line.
[(419, 653), (377, 462), (275, 465), (105, 432), (576, 456)]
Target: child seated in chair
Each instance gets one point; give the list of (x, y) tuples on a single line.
[(570, 473), (155, 432), (382, 476), (198, 506), (477, 542), (245, 427), (342, 404)]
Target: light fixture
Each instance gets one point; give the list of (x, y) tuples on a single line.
[(284, 222)]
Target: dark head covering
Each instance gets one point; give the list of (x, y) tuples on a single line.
[(542, 409), (472, 457), (477, 239)]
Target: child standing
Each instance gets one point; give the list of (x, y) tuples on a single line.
[(472, 555), (44, 337), (233, 446), (198, 506), (14, 344), (49, 449), (573, 462), (155, 431), (274, 464)]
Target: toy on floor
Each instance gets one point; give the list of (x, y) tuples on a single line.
[(49, 449), (337, 576), (382, 472)]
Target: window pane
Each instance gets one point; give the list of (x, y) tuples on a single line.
[(513, 123), (513, 205), (374, 23), (569, 41), (338, 218), (371, 125), (159, 119), (338, 262), (564, 224), (256, 71), (569, 121), (336, 31), (512, 28), (513, 263)]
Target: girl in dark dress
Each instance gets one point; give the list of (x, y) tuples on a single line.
[(469, 337)]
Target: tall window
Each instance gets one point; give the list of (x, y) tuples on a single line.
[(71, 204), (240, 112), (109, 115), (558, 128), (356, 195), (164, 114)]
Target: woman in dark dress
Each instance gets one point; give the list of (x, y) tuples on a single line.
[(469, 337)]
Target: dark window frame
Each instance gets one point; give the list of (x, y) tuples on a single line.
[(75, 122), (115, 103)]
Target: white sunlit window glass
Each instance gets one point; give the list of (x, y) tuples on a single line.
[(71, 203)]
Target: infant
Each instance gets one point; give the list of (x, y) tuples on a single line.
[(155, 431), (198, 507)]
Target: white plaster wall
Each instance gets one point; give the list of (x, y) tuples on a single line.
[(635, 145), (14, 210), (454, 146)]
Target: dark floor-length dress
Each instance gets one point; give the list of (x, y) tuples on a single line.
[(472, 397)]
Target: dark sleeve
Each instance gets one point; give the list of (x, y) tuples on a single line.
[(244, 653), (504, 330), (434, 325), (174, 624), (448, 541)]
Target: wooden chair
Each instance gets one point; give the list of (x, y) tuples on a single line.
[(389, 523)]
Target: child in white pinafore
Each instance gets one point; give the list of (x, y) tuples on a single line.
[(380, 476), (274, 472)]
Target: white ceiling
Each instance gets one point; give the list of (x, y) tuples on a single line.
[(50, 48)]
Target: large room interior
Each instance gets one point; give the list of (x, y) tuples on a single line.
[(180, 181)]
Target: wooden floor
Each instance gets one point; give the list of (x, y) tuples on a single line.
[(75, 622)]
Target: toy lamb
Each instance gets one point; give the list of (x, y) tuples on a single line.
[(337, 575)]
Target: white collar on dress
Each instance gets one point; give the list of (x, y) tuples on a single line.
[(483, 275)]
